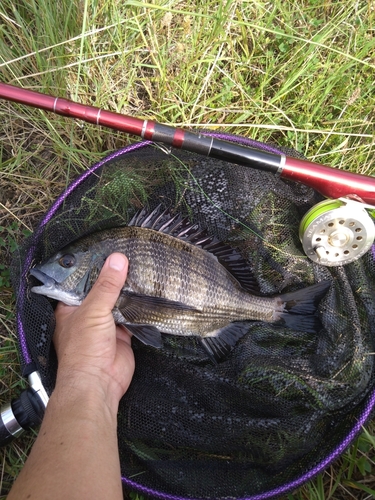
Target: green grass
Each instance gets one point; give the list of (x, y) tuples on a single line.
[(298, 73)]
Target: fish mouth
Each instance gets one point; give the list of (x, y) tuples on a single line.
[(51, 289), (48, 282)]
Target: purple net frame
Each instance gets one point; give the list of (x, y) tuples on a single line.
[(25, 353), (27, 359)]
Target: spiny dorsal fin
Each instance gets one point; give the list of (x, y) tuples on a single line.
[(181, 227)]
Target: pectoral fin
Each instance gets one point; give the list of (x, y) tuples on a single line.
[(218, 346), (135, 307)]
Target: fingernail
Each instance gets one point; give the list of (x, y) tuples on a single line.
[(116, 261)]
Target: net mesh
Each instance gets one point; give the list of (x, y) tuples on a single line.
[(284, 402)]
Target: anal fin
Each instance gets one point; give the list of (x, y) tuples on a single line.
[(218, 346)]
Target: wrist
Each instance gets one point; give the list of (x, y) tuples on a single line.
[(86, 394)]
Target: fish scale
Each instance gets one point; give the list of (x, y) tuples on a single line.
[(174, 286), (184, 272)]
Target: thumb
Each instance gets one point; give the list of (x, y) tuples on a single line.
[(106, 289)]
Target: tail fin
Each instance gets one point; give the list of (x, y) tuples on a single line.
[(298, 308)]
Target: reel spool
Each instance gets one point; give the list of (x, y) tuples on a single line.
[(337, 232)]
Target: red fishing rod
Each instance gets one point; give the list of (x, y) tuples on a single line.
[(330, 182)]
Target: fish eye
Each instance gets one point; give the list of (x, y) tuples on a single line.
[(67, 260)]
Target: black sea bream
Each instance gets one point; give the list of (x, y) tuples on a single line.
[(177, 285)]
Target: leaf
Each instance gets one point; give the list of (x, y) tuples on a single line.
[(359, 486)]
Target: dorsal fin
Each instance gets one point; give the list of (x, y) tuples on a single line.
[(181, 227)]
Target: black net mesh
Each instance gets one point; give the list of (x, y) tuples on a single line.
[(283, 400)]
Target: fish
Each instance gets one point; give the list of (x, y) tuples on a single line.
[(181, 281)]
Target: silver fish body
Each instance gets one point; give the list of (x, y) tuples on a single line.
[(173, 286)]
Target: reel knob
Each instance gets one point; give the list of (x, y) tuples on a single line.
[(337, 232)]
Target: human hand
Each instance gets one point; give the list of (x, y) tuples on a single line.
[(93, 353), (76, 452)]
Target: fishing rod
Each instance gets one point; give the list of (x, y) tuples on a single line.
[(334, 232)]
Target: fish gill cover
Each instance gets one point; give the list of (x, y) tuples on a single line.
[(284, 401)]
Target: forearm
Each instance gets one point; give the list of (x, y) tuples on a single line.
[(75, 455)]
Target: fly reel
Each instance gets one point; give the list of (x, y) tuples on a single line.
[(337, 232)]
